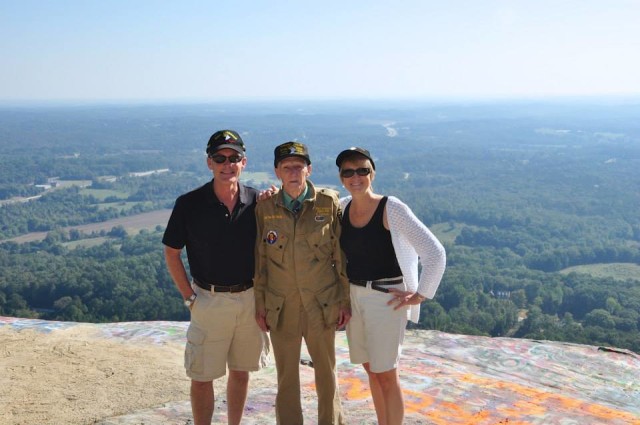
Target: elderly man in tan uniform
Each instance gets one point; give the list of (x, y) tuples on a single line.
[(301, 287)]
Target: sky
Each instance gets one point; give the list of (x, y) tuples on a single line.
[(214, 50)]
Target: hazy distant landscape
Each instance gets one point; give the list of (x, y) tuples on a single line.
[(536, 202)]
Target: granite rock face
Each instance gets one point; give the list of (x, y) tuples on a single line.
[(447, 379)]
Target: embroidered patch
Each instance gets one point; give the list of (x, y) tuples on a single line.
[(320, 218), (272, 237)]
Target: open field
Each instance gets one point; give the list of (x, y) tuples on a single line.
[(102, 194), (86, 243), (449, 231), (132, 224), (619, 271), (122, 205), (69, 183), (258, 178)]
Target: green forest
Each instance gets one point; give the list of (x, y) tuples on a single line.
[(536, 203)]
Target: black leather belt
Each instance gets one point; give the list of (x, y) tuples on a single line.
[(378, 285), (240, 287)]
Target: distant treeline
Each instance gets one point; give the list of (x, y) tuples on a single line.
[(483, 293)]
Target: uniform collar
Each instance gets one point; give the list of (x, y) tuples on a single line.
[(287, 201)]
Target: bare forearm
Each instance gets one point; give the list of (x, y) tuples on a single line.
[(177, 271)]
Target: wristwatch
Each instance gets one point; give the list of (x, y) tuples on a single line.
[(189, 301)]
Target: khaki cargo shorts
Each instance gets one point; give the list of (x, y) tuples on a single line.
[(223, 333)]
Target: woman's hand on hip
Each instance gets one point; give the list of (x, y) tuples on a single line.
[(404, 298)]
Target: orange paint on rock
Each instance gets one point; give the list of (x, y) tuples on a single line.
[(354, 388)]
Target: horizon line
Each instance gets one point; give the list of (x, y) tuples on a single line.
[(317, 100)]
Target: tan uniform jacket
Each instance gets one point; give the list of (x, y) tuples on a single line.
[(301, 257)]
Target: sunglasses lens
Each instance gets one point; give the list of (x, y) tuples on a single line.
[(350, 172), (221, 159)]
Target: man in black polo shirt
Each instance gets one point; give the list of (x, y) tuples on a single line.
[(216, 223)]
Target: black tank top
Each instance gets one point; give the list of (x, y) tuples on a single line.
[(369, 251)]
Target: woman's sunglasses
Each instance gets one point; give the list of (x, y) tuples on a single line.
[(350, 172), (221, 159)]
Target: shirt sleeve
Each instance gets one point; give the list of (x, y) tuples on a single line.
[(416, 237), (339, 259), (175, 233), (260, 275)]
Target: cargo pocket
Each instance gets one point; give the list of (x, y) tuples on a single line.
[(329, 302), (273, 305), (194, 351)]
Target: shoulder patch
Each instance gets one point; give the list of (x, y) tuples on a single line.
[(328, 192)]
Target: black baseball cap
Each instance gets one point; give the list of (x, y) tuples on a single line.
[(354, 152), (289, 149), (225, 139)]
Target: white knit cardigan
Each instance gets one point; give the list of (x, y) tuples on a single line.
[(413, 243)]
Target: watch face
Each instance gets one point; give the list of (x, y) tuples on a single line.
[(189, 301)]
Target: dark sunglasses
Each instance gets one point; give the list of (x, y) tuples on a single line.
[(350, 172), (221, 159)]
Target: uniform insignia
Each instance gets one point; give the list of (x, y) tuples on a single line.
[(272, 237), (320, 218)]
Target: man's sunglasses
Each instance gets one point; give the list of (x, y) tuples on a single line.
[(350, 172), (221, 159)]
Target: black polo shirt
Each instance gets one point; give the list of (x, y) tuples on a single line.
[(220, 245)]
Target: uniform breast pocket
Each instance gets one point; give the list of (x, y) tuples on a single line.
[(320, 241), (275, 243)]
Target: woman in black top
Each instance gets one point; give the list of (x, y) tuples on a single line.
[(382, 241)]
